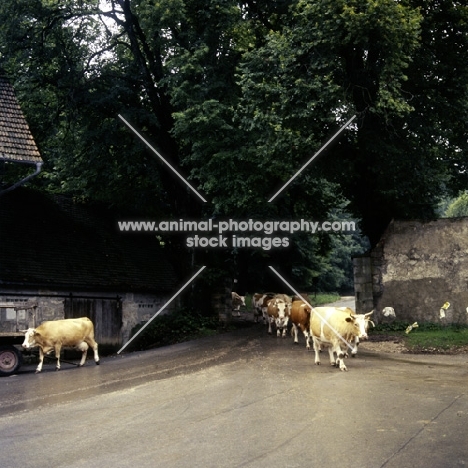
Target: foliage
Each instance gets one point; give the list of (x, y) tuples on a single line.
[(174, 328), (334, 58), (458, 207), (238, 96), (318, 299)]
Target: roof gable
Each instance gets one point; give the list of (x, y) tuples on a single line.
[(16, 141)]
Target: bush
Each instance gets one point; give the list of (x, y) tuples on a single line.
[(176, 327)]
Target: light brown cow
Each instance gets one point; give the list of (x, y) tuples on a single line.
[(77, 333), (335, 328), (237, 302), (278, 311), (300, 318)]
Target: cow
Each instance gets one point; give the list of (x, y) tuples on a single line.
[(278, 311), (260, 305), (53, 335), (237, 302), (334, 327), (300, 318), (363, 319)]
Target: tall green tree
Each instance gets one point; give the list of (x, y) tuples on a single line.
[(238, 95), (400, 67)]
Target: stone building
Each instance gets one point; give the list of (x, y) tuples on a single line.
[(416, 268)]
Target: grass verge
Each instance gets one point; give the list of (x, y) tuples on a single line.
[(426, 338)]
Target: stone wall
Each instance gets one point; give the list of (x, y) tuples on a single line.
[(416, 268), (135, 308)]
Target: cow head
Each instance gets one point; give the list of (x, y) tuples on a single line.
[(361, 321), (282, 312), (281, 308), (29, 338)]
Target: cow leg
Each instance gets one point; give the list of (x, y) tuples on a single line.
[(94, 347), (331, 353), (270, 320), (57, 349), (294, 332), (279, 328), (83, 347), (317, 350), (41, 360), (258, 314), (307, 338), (340, 363), (355, 347), (340, 358)]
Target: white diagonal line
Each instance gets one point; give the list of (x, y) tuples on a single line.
[(314, 310), (161, 309), (159, 155), (311, 159)]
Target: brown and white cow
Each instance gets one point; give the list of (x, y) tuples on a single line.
[(300, 318), (278, 311), (237, 302), (335, 328), (260, 305), (77, 333)]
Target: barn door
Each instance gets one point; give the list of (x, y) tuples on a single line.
[(106, 314)]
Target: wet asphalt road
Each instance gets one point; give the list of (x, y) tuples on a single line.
[(240, 399)]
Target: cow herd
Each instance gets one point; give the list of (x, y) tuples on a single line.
[(338, 329)]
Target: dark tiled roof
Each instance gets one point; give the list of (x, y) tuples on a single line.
[(16, 141), (55, 243)]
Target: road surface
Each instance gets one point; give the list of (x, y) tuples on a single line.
[(240, 399)]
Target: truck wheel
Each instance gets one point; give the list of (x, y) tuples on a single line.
[(10, 360)]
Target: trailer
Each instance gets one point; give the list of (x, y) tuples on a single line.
[(15, 317)]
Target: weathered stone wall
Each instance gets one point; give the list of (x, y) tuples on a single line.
[(416, 268)]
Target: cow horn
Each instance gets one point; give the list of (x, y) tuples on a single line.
[(369, 313)]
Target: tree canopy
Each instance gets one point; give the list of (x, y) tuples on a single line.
[(238, 96)]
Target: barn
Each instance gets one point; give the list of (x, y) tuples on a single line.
[(72, 261), (416, 268), (68, 259)]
